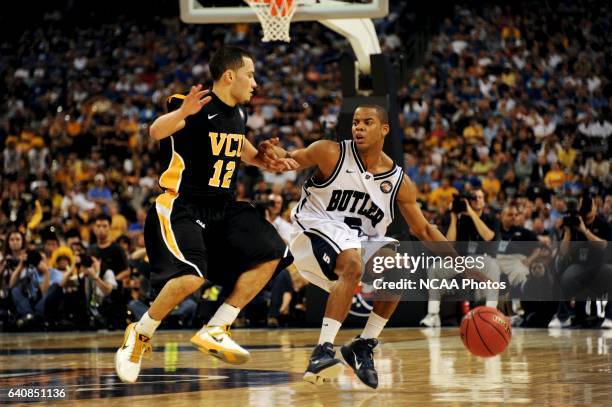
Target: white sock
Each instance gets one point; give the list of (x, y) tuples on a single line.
[(147, 325), (374, 326), (491, 303), (329, 330), (225, 315), (433, 307), (516, 306)]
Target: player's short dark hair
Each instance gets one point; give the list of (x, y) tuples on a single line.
[(103, 217), (227, 57), (382, 113)]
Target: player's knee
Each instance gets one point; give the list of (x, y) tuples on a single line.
[(188, 284), (349, 269), (350, 274), (197, 282), (492, 273)]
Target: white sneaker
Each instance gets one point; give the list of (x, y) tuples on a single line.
[(216, 341), (431, 332), (431, 320), (129, 355), (516, 320), (606, 324), (557, 323)]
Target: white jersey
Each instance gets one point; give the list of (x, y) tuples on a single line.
[(363, 201)]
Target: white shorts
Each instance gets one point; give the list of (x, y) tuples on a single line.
[(512, 266), (316, 243)]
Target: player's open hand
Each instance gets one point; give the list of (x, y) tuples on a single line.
[(269, 154), (195, 100), (266, 149), (281, 165)]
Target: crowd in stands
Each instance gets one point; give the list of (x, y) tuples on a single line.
[(515, 101)]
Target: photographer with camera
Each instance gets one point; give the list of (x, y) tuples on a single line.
[(29, 284), (514, 257), (526, 263), (585, 270), (471, 228), (64, 305), (11, 263), (99, 283), (67, 305)]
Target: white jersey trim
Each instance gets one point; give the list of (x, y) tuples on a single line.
[(334, 174)]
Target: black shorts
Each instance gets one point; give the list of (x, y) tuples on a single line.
[(217, 241)]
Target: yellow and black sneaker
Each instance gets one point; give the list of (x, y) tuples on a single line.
[(129, 355), (217, 342)]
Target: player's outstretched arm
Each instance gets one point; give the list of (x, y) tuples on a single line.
[(169, 123), (419, 227), (423, 230), (322, 153), (270, 162)]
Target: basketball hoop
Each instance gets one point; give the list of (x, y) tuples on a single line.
[(275, 17)]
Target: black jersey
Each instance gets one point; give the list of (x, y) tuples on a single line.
[(469, 240), (203, 157), (509, 241), (585, 252)]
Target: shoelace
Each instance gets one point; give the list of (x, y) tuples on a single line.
[(323, 349), (141, 348), (330, 352)]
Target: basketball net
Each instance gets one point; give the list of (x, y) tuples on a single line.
[(275, 17)]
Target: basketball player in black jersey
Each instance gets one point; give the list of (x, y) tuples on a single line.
[(196, 229)]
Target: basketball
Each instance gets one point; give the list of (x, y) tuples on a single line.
[(485, 331)]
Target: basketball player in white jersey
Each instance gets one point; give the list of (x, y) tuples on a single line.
[(348, 201)]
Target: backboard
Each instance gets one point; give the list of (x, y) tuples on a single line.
[(234, 11)]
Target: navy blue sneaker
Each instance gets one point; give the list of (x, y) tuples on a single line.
[(323, 365), (359, 354)]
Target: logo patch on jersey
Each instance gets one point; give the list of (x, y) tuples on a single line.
[(386, 186), (212, 116)]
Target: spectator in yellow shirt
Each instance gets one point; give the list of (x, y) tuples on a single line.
[(554, 178), (473, 132), (483, 165), (442, 196), (566, 154), (491, 186), (508, 77)]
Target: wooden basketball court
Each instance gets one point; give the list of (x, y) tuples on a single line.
[(416, 367)]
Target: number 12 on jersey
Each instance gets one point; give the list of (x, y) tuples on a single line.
[(215, 181)]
